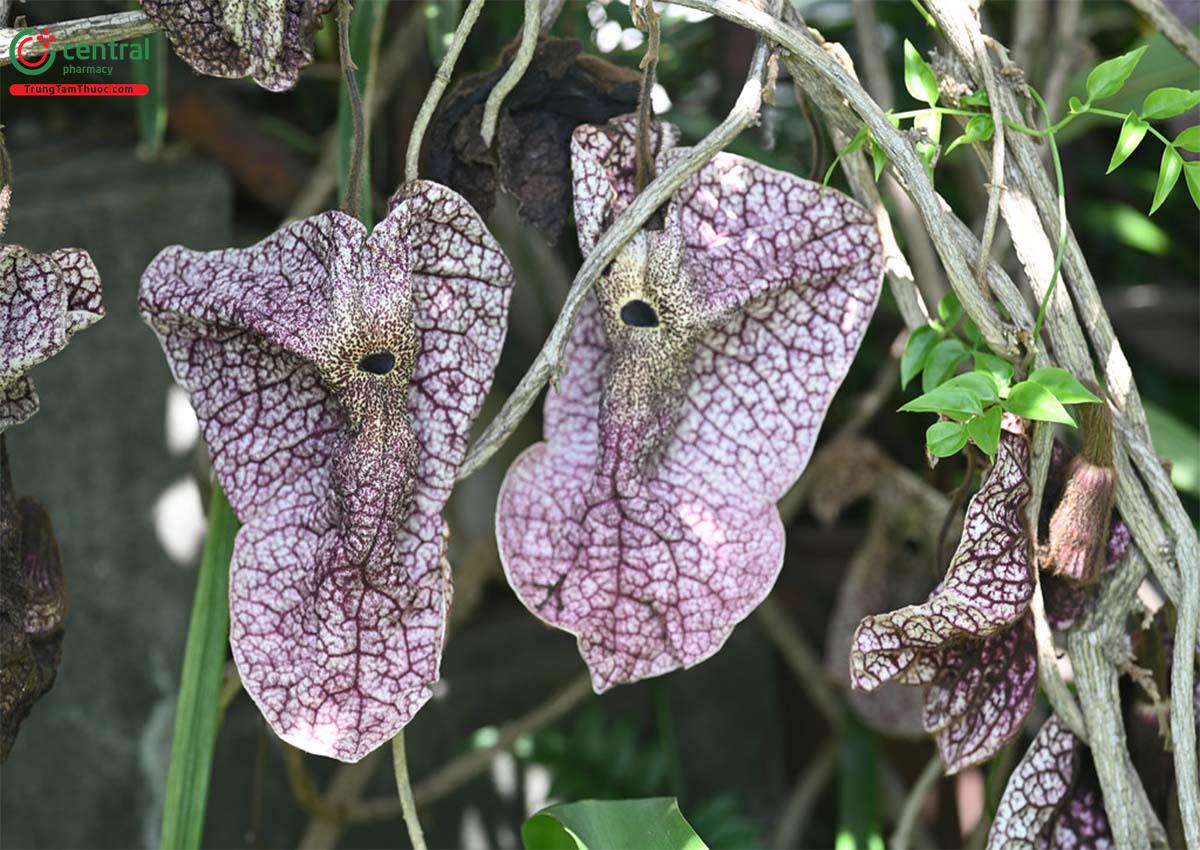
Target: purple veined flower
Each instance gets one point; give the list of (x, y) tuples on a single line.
[(1053, 799), (697, 377), (269, 40), (45, 299), (335, 374), (972, 641)]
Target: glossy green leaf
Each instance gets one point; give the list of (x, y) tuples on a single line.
[(976, 98), (651, 824), (949, 310), (943, 439), (1189, 139), (955, 402), (1168, 176), (1191, 173), (943, 359), (980, 384), (1132, 132), (1107, 78), (999, 368), (918, 77), (196, 711), (912, 361), (979, 129), (1064, 385), (1033, 401), (984, 430), (1168, 102), (1075, 105)]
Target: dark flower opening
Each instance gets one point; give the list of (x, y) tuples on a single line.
[(379, 363), (639, 314)]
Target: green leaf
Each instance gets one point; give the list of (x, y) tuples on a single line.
[(979, 129), (365, 28), (984, 430), (918, 78), (1075, 105), (956, 402), (858, 788), (916, 349), (1168, 102), (971, 332), (1132, 132), (929, 120), (943, 359), (853, 145), (976, 98), (654, 824), (1063, 384), (949, 310), (1189, 139), (196, 710), (999, 368), (1191, 173), (878, 158), (1033, 401), (943, 439), (1176, 440), (1107, 78), (979, 384), (152, 108), (1168, 176)]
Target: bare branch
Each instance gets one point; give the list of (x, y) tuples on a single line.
[(1165, 22), (100, 29), (516, 70), (441, 79)]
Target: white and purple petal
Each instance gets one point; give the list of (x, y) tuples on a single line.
[(335, 374)]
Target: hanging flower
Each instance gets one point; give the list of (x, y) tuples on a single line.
[(44, 300), (33, 606), (269, 40), (972, 641), (696, 380), (1052, 800), (335, 375)]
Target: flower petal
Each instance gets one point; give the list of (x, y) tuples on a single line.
[(986, 589), (270, 40), (646, 523), (982, 694), (1052, 800), (335, 376), (44, 300)]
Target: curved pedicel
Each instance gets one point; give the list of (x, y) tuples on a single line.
[(335, 375), (696, 380), (45, 299), (269, 40)]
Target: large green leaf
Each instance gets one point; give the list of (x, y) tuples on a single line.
[(652, 824), (1108, 78), (196, 713)]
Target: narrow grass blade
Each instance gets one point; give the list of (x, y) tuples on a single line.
[(196, 715)]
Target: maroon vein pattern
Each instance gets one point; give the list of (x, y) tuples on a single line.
[(45, 299), (338, 470), (269, 40), (645, 524), (1052, 800), (972, 640)]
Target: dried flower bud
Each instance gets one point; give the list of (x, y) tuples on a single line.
[(1079, 528)]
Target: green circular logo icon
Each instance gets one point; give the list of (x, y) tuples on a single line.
[(22, 47)]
